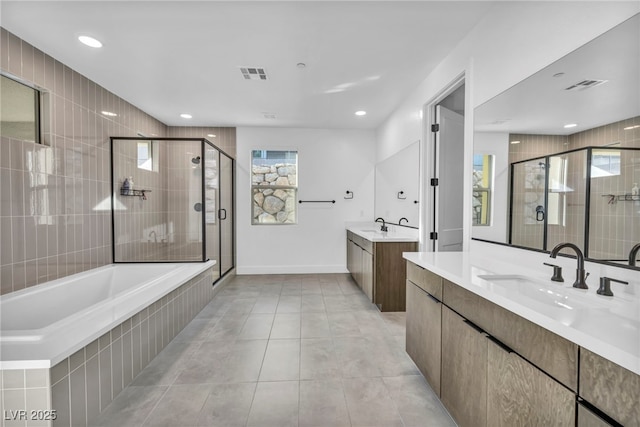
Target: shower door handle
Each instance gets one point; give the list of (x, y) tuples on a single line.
[(220, 211), (539, 213)]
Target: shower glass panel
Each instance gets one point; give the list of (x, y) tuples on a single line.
[(226, 213), (211, 192), (566, 198), (614, 214), (157, 201), (528, 211)]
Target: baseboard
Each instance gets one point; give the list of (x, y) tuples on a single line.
[(290, 269)]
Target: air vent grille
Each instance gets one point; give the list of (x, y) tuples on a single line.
[(585, 84), (253, 73)]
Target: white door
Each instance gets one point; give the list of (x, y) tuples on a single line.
[(449, 155)]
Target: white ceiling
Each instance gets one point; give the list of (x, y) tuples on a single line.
[(172, 57)]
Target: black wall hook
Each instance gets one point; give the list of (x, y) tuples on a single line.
[(349, 195)]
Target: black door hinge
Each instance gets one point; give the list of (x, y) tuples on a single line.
[(434, 182), (433, 235), (435, 127)]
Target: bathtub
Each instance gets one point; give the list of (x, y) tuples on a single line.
[(42, 325)]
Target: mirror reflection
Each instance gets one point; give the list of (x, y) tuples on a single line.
[(565, 150), (397, 182)]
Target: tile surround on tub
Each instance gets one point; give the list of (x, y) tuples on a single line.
[(81, 386)]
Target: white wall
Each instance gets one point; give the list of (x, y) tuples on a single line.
[(497, 145), (330, 163), (514, 40)]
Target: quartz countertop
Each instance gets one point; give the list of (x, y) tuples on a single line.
[(607, 326), (395, 234)]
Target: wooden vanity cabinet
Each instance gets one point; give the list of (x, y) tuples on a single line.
[(463, 390), (588, 418), (611, 388), (379, 270), (424, 329)]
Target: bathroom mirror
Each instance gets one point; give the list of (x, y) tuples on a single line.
[(397, 183), (543, 126)]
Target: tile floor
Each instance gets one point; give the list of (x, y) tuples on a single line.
[(283, 350)]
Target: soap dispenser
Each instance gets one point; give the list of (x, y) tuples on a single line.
[(125, 187), (634, 189)]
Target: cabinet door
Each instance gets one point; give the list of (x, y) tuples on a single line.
[(367, 274), (464, 370), (586, 418), (424, 323), (519, 394)]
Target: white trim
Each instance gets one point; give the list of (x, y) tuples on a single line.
[(291, 269)]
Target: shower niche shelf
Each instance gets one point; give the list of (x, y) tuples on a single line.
[(135, 193), (622, 197)]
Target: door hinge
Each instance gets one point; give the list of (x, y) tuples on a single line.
[(434, 182), (435, 127), (433, 235)]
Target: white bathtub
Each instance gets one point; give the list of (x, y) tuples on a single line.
[(43, 324)]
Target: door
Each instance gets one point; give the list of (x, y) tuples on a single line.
[(449, 145), (225, 214)]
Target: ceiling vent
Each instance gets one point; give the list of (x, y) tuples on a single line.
[(586, 84), (269, 115), (253, 73)]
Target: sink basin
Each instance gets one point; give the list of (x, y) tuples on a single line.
[(507, 278)]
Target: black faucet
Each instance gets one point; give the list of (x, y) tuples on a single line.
[(633, 254), (400, 222), (384, 226), (580, 276)]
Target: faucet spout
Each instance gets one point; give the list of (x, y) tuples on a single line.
[(580, 273), (633, 254), (403, 218), (384, 226)]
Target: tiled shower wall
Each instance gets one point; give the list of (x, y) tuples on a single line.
[(54, 198), (613, 228)]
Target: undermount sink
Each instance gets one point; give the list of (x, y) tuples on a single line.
[(513, 278)]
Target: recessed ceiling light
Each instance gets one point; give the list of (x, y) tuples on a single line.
[(361, 113), (109, 114), (90, 41), (570, 125), (186, 116), (515, 142), (210, 135), (301, 65), (558, 75)]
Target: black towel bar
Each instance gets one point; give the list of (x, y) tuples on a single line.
[(316, 201)]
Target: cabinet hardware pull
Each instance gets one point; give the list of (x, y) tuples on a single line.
[(500, 344), (433, 298), (474, 326)]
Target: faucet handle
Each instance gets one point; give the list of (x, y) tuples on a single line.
[(605, 286), (557, 272)]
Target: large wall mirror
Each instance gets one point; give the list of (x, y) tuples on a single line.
[(397, 185), (557, 156)]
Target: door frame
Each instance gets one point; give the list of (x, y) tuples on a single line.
[(428, 168)]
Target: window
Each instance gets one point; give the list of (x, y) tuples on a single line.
[(274, 186), (19, 111), (147, 158), (605, 163), (482, 185)]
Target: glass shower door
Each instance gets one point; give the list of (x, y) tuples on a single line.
[(211, 195), (226, 214), (528, 207)]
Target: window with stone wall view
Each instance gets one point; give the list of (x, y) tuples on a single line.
[(274, 186)]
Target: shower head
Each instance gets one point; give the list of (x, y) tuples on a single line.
[(196, 160)]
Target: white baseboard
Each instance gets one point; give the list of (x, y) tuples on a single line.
[(290, 269)]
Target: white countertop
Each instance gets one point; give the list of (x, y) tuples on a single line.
[(607, 326), (395, 234)]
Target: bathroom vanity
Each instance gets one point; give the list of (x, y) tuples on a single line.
[(374, 259), (504, 345)]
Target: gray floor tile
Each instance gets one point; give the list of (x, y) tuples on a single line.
[(370, 404), (286, 325), (131, 407), (265, 304), (281, 361), (354, 357), (312, 302), (289, 304), (343, 324), (275, 404), (314, 325), (416, 402), (322, 404), (256, 327), (179, 406), (228, 327), (318, 359), (338, 302), (166, 366), (227, 405)]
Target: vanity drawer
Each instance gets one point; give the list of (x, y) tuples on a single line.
[(610, 387), (553, 354), (425, 279)]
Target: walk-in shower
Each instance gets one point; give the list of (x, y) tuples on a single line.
[(172, 201), (587, 196)]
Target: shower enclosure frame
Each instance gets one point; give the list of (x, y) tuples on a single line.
[(203, 143), (546, 160)]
